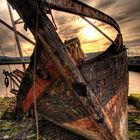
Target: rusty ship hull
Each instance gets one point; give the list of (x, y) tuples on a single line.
[(108, 82), (89, 98)]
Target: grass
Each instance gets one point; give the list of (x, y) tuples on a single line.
[(134, 118), (25, 129), (8, 127), (4, 103), (134, 126), (135, 100), (134, 135)]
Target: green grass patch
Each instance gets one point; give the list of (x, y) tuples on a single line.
[(135, 100), (134, 134), (4, 103), (134, 126)]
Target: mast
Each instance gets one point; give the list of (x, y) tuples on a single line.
[(16, 36)]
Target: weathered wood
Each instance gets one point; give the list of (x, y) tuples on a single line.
[(14, 91), (81, 9), (12, 78), (18, 73), (108, 78), (73, 46), (58, 100)]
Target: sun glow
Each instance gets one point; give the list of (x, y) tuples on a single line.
[(89, 33)]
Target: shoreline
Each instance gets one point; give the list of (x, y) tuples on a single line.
[(134, 68)]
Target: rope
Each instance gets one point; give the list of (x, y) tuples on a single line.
[(49, 11), (34, 76), (55, 26)]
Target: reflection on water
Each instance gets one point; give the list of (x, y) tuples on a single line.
[(134, 80)]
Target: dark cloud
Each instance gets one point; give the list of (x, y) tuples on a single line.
[(7, 41), (128, 7), (127, 14), (133, 43), (105, 3), (9, 50), (5, 35)]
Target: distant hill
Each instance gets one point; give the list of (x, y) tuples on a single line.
[(4, 60), (17, 60), (92, 54), (13, 60)]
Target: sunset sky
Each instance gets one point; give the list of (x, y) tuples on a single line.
[(125, 12)]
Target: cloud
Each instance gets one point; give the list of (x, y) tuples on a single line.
[(6, 39), (103, 4), (133, 43), (126, 13)]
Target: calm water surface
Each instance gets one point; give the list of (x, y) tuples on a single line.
[(134, 80)]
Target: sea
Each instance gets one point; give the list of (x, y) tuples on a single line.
[(134, 80)]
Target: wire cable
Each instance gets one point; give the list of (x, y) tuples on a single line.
[(34, 76)]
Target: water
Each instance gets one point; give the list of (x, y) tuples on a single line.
[(134, 80)]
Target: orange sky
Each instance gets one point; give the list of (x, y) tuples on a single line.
[(71, 26)]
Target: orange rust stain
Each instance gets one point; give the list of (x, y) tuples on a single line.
[(40, 86), (109, 123), (85, 123)]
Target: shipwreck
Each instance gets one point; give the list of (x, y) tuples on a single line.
[(87, 97)]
